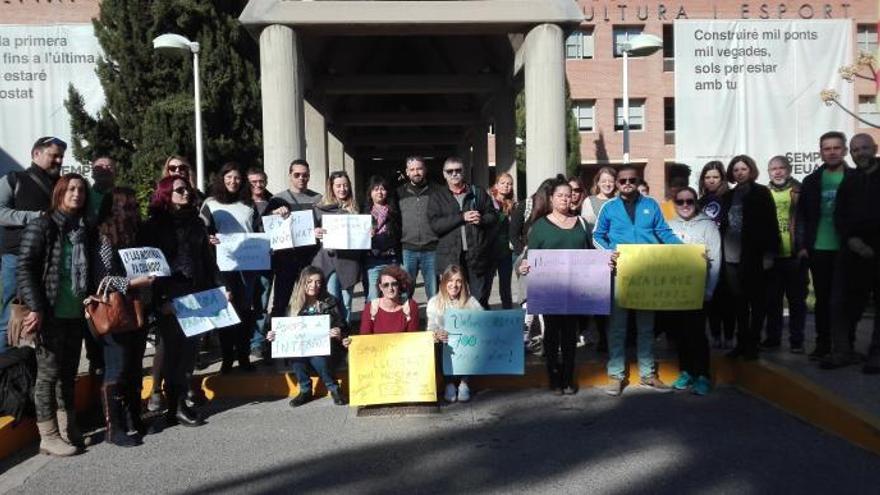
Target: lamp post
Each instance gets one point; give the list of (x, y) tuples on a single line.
[(176, 42), (639, 45)]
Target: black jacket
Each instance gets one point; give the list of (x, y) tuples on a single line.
[(809, 208), (39, 260), (760, 229), (857, 209), (446, 219)]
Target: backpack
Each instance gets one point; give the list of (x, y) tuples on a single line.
[(18, 374)]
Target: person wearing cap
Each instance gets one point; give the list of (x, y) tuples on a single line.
[(24, 196)]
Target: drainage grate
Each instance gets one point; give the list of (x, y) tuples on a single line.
[(398, 410)]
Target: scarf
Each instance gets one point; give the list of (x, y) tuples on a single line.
[(380, 213), (78, 264)]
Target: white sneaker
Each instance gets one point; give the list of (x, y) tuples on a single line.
[(464, 392), (451, 393)]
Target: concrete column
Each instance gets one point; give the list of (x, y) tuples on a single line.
[(281, 85), (545, 104), (335, 153), (505, 134), (480, 159), (316, 144)]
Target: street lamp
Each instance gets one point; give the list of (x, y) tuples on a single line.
[(640, 45), (177, 43)]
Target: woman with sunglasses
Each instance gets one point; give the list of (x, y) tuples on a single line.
[(385, 245), (694, 227), (231, 210), (342, 267), (502, 256), (174, 226), (178, 166), (389, 313)]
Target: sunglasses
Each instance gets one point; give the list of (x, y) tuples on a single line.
[(630, 180), (682, 202), (301, 175), (452, 171), (181, 190), (176, 168), (388, 285)]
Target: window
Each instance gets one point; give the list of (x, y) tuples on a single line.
[(668, 48), (579, 44), (668, 120), (866, 38), (636, 114), (584, 114), (622, 34), (868, 110)]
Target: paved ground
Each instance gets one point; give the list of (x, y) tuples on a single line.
[(527, 441)]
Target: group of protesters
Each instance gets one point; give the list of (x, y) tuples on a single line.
[(62, 238)]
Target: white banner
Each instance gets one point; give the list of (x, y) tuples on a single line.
[(37, 63), (347, 231), (144, 261), (243, 252), (204, 311), (301, 336), (752, 87)]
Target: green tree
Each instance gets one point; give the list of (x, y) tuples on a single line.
[(148, 114)]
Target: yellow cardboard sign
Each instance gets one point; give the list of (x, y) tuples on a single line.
[(391, 368), (661, 277)]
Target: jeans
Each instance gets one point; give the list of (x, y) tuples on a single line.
[(689, 330), (321, 365), (334, 288), (261, 310), (413, 261), (504, 267), (788, 279), (8, 263), (822, 270), (373, 265), (617, 341), (57, 362)]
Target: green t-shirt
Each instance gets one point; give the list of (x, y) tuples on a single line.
[(546, 235), (67, 304), (826, 235), (782, 199)]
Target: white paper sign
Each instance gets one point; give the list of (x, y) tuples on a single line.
[(243, 252), (347, 231), (301, 336), (204, 311), (144, 261), (303, 228), (279, 230)]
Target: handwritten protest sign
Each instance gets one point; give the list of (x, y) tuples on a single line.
[(661, 277), (242, 252), (391, 368), (569, 282), (144, 261), (301, 336), (347, 231), (484, 342), (279, 230), (303, 223), (204, 311)]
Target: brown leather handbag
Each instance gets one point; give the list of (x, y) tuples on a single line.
[(112, 312)]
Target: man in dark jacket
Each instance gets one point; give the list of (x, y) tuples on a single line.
[(857, 218), (24, 196), (462, 216), (816, 238), (419, 242)]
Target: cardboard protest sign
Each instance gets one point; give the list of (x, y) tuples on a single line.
[(569, 282), (303, 225), (301, 336), (279, 230), (661, 277), (347, 231), (484, 342), (144, 261), (243, 252), (204, 311), (391, 368)]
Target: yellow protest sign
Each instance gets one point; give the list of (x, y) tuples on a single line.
[(391, 368), (661, 277)]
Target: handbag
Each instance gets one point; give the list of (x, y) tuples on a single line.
[(15, 334), (113, 312)]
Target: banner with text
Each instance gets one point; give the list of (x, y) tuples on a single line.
[(484, 342), (347, 231), (37, 64), (392, 368), (301, 336), (144, 262), (661, 277), (753, 87), (569, 282), (204, 311)]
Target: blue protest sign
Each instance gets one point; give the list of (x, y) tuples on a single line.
[(484, 342)]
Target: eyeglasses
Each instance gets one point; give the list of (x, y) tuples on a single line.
[(682, 202), (301, 175), (175, 168), (452, 171), (628, 180), (181, 190), (388, 285)]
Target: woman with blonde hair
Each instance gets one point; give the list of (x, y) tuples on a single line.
[(452, 293), (502, 262), (604, 188)]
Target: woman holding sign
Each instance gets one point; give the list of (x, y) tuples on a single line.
[(386, 233), (453, 293), (174, 226), (389, 313), (310, 298), (342, 267), (557, 227), (693, 227), (231, 210), (53, 280)]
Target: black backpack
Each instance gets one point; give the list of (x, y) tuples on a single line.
[(18, 373)]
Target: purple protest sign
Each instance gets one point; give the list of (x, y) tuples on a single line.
[(569, 282)]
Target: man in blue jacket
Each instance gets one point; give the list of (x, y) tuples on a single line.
[(631, 218)]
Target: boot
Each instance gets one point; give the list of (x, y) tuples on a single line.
[(554, 378), (134, 404), (51, 442), (68, 429), (187, 416), (114, 414)]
